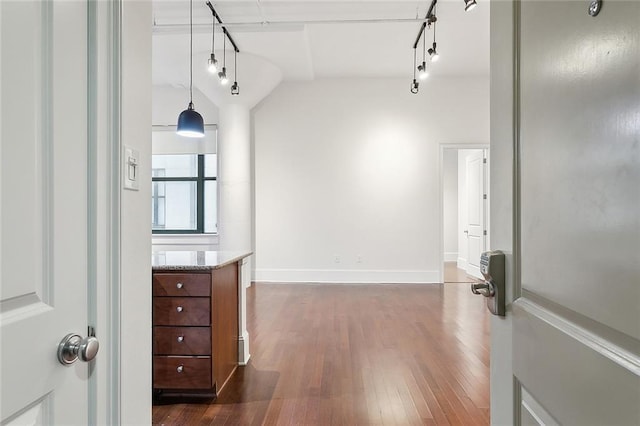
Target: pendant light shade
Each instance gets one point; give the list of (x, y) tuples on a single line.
[(414, 83), (190, 123), (235, 89), (469, 5)]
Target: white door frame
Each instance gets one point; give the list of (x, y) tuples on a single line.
[(504, 170), (120, 72), (104, 139), (456, 146)]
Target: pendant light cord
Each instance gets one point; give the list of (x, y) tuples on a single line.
[(224, 52), (191, 53), (235, 65), (434, 25), (213, 35), (424, 45), (414, 63)]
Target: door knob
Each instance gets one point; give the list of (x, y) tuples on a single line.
[(73, 347), (486, 289)]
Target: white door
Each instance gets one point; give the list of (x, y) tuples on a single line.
[(43, 209), (474, 164), (570, 344)]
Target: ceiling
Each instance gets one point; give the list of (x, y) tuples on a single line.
[(287, 35)]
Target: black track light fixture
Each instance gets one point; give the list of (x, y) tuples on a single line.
[(429, 20), (190, 123), (223, 74), (213, 62), (414, 83), (235, 89), (469, 5)]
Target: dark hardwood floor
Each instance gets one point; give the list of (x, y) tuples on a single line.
[(354, 355)]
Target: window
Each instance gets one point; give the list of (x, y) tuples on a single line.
[(184, 196)]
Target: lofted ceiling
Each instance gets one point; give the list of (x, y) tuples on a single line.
[(309, 39)]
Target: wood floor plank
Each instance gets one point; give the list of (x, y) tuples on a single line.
[(354, 355)]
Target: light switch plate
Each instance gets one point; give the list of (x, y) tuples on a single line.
[(131, 169)]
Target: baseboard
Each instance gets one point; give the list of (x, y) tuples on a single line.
[(243, 349), (462, 263), (346, 276), (450, 256)]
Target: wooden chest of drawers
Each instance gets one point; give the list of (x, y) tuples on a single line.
[(195, 329)]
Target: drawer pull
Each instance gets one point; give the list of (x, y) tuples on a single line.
[(180, 368), (180, 339), (179, 309), (179, 285)]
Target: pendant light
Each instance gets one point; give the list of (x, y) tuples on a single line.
[(422, 68), (235, 89), (469, 5), (223, 74), (433, 53), (213, 62), (414, 84), (190, 123)]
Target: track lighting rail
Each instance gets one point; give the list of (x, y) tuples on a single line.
[(217, 17), (424, 24)]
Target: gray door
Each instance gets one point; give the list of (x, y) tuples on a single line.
[(576, 314)]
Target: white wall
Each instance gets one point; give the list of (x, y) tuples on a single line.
[(450, 203), (346, 176)]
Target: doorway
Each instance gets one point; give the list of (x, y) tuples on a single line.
[(464, 201)]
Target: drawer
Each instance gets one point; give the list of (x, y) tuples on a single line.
[(182, 340), (181, 311), (175, 372), (165, 284)]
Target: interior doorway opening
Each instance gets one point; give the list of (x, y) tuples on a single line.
[(464, 196)]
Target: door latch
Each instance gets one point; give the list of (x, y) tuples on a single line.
[(493, 286)]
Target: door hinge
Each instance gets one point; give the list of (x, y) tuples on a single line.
[(484, 232), (484, 196), (484, 160)]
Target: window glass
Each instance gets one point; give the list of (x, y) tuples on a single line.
[(184, 196), (210, 206), (174, 205), (158, 204), (185, 165), (210, 165)]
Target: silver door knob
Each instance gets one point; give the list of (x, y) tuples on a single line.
[(180, 368), (179, 309), (73, 347), (179, 285), (180, 339), (486, 289)]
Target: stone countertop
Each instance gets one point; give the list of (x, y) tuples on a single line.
[(181, 260)]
